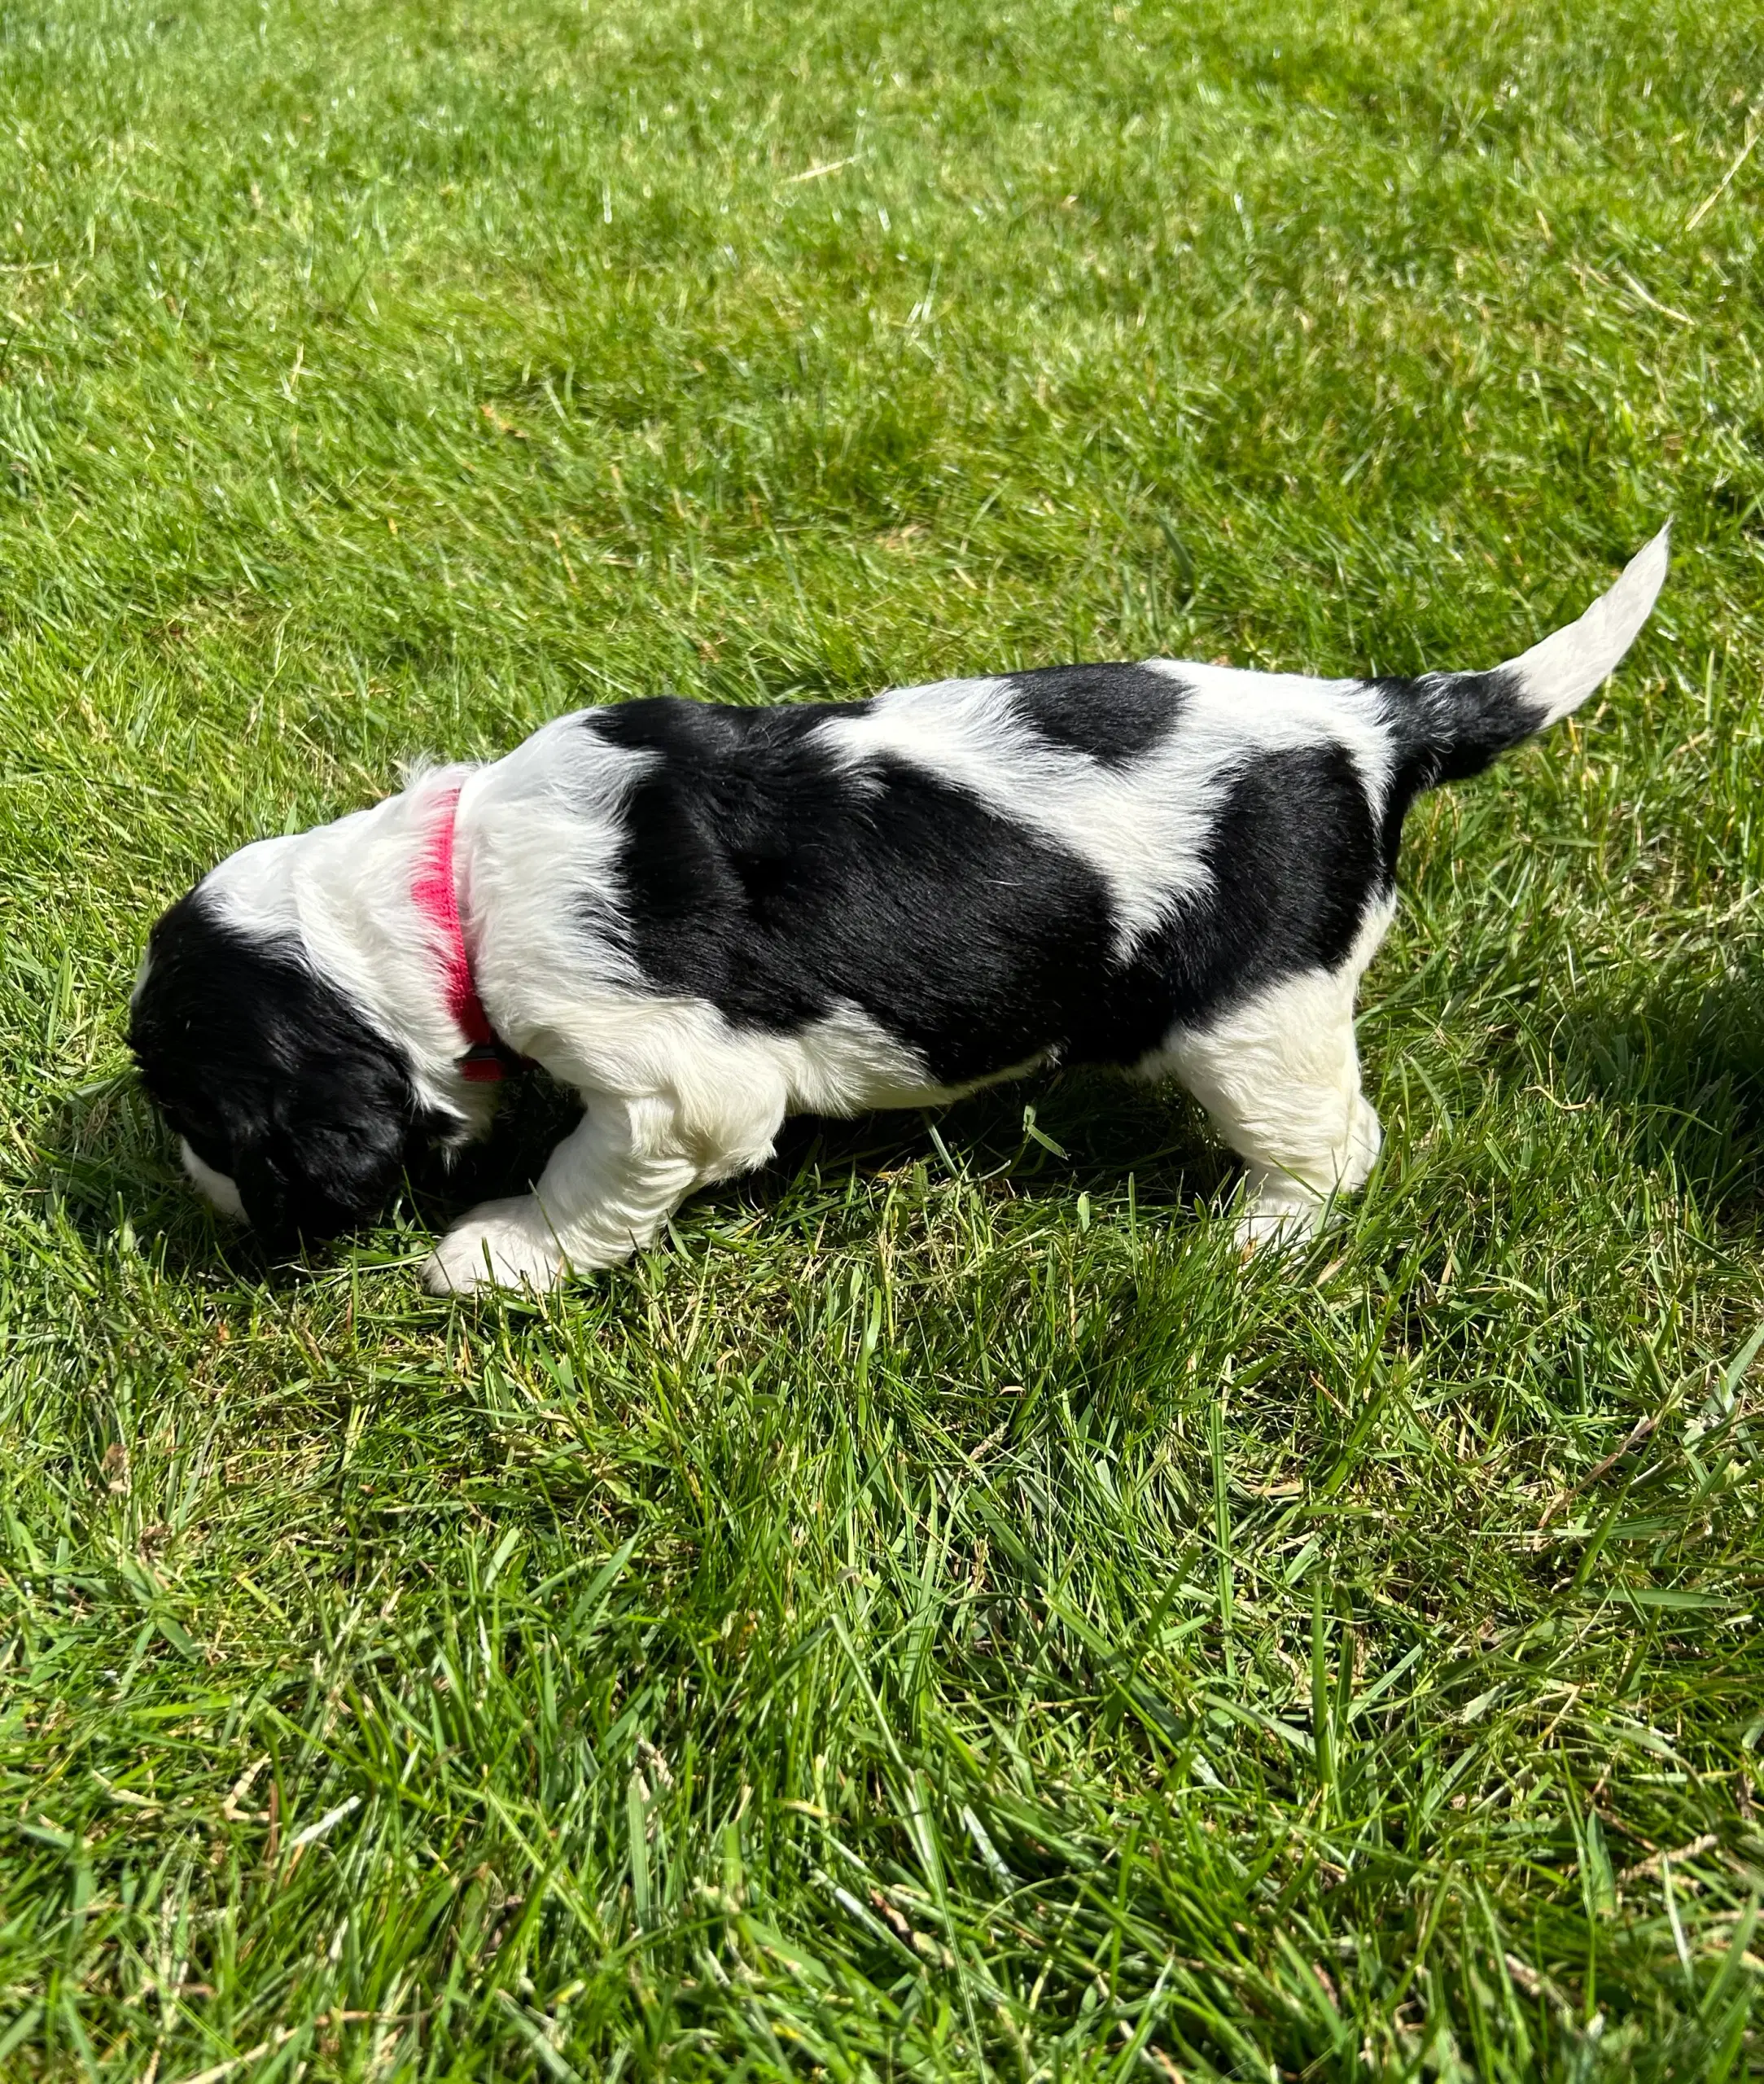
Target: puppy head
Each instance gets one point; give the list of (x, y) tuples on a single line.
[(294, 1110)]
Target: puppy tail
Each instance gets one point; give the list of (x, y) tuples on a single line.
[(1451, 725), (1559, 673)]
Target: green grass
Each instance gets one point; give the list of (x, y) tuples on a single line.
[(942, 1617)]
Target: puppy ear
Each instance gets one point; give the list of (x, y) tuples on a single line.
[(331, 1148), (261, 1060)]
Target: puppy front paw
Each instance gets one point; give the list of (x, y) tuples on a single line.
[(1276, 1226), (499, 1245)]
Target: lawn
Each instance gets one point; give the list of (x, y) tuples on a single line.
[(942, 1616)]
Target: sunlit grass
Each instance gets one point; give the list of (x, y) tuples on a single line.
[(941, 1616)]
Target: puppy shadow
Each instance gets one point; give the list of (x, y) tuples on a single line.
[(106, 1163), (533, 1116), (1041, 1139), (1052, 1138), (1685, 1063)]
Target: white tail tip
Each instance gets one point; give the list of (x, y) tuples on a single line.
[(1561, 672)]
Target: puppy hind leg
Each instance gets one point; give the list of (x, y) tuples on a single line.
[(1281, 1080), (606, 1191)]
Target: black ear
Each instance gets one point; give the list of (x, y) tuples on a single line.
[(333, 1146), (275, 1075)]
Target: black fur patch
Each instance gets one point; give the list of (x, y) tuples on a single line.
[(1294, 856), (1115, 713), (273, 1076), (1447, 726), (760, 874)]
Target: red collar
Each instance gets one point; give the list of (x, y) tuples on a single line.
[(486, 1059)]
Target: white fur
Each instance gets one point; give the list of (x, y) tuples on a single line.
[(1561, 672), (216, 1186), (1280, 1078), (343, 892)]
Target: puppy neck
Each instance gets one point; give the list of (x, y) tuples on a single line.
[(347, 894)]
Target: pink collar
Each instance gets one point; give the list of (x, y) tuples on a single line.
[(436, 899)]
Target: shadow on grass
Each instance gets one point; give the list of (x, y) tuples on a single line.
[(1105, 1129), (106, 1165), (105, 1160), (1685, 1062)]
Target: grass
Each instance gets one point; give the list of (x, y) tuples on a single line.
[(941, 1616)]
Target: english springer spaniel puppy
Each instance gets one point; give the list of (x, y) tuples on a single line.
[(704, 919)]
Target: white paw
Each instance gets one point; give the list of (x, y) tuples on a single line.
[(499, 1245), (1267, 1226), (1365, 1140)]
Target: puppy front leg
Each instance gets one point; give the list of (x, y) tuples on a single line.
[(606, 1191)]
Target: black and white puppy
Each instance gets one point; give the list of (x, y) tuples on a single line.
[(705, 919)]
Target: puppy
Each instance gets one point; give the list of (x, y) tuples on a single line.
[(705, 919)]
